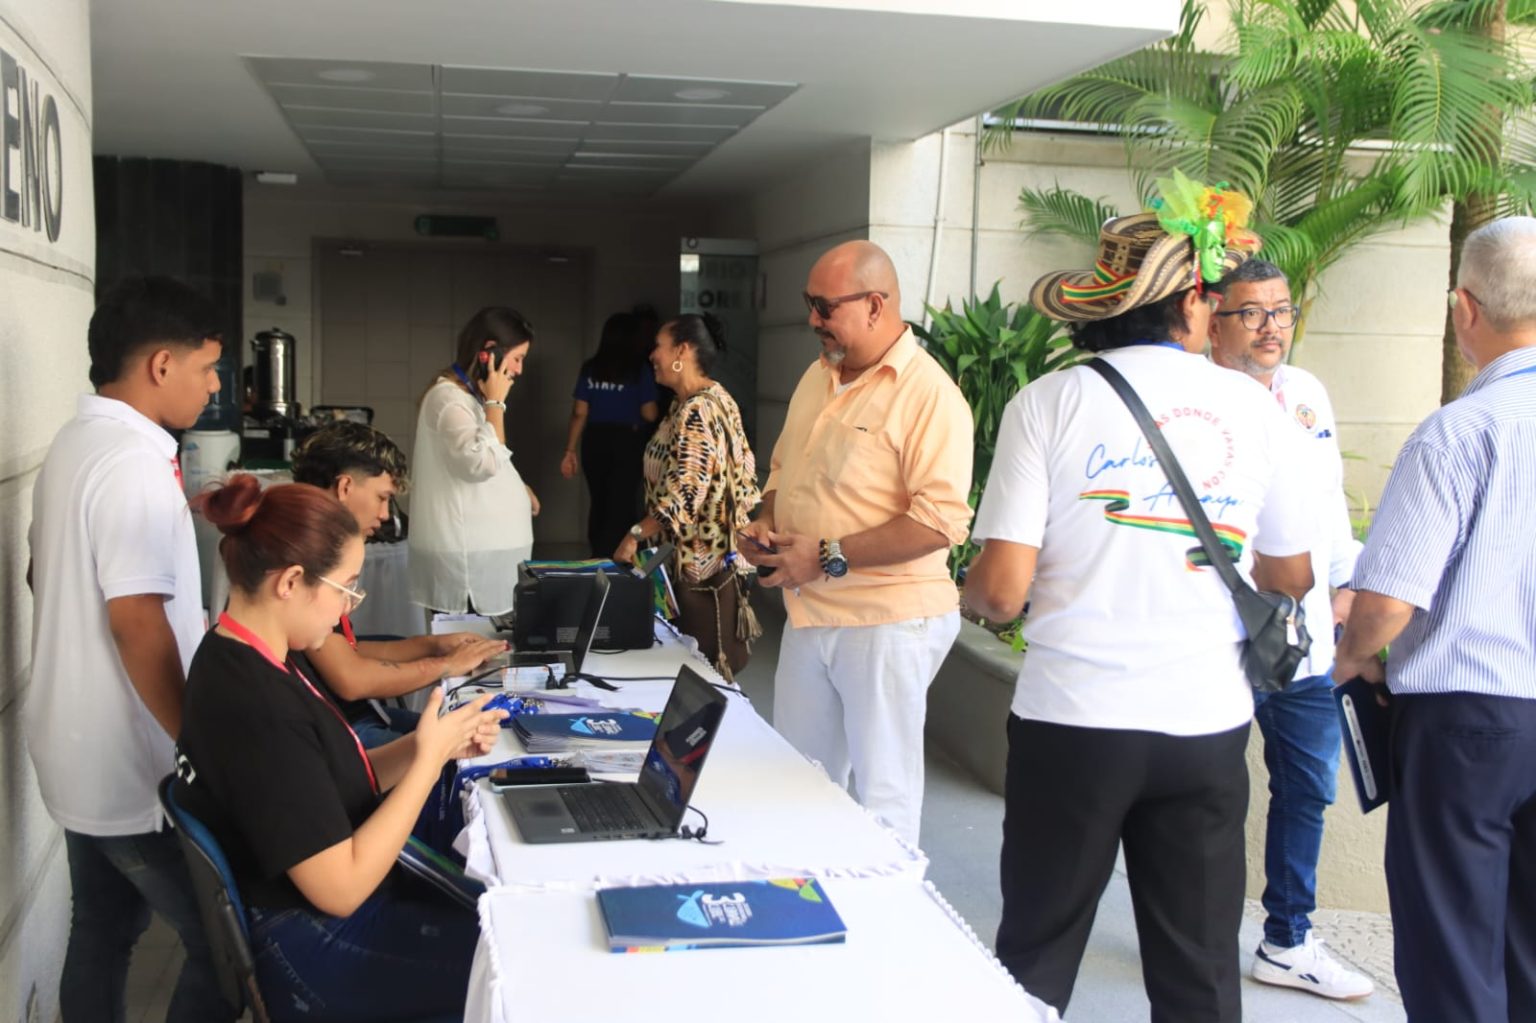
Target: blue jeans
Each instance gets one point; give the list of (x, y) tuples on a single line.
[(374, 733), (116, 882), (405, 954), (1301, 751)]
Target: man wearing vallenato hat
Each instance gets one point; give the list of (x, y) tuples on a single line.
[(1130, 717)]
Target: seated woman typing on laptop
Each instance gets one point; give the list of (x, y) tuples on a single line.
[(310, 821)]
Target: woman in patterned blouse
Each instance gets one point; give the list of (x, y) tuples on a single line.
[(700, 488)]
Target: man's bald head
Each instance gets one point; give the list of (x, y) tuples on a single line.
[(854, 285), (860, 266)]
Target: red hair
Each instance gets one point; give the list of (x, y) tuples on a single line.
[(268, 530)]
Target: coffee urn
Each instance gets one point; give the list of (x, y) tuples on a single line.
[(275, 354)]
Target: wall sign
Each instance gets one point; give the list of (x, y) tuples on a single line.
[(31, 151)]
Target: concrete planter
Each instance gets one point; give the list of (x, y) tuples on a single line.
[(968, 704)]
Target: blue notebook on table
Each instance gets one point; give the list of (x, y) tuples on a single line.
[(557, 733), (726, 914), (1366, 726)]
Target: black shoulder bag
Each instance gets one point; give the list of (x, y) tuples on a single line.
[(1277, 633)]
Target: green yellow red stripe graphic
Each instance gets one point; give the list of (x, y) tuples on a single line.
[(1117, 504)]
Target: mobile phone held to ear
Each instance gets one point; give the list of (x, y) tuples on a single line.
[(763, 571), (506, 778)]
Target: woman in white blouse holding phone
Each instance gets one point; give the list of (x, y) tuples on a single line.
[(471, 513)]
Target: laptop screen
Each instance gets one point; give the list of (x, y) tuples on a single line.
[(597, 599), (684, 736)]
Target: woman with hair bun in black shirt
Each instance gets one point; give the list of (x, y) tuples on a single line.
[(310, 821)]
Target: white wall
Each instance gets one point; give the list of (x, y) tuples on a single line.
[(794, 221), (46, 298)]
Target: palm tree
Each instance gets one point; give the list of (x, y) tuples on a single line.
[(1340, 120)]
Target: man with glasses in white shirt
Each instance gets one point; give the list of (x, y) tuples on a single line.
[(1251, 332)]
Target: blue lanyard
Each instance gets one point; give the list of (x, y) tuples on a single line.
[(1160, 344), (473, 389)]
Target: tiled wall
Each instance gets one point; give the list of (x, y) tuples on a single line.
[(46, 297)]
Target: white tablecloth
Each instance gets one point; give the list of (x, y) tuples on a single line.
[(774, 812), (908, 957)]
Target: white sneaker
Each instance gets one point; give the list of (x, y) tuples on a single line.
[(1309, 967)]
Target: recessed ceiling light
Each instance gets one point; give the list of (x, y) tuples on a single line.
[(346, 74), (700, 93), (522, 109)]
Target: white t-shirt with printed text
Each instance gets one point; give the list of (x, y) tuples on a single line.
[(109, 520), (1304, 401), (1126, 627)]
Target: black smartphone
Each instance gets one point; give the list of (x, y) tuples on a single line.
[(487, 358), (763, 571), (506, 778)]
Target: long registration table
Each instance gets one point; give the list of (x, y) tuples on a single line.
[(543, 953)]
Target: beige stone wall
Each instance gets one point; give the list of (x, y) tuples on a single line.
[(46, 298)]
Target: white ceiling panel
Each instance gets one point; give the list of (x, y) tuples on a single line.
[(341, 140), (691, 149), (650, 89), (355, 74), (468, 144), (359, 119), (678, 113), (456, 158), (538, 107), (388, 100), (509, 82), (658, 133), (514, 127)]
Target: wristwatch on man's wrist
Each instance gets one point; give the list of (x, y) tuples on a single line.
[(832, 561)]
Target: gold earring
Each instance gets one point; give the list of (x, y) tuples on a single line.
[(677, 365)]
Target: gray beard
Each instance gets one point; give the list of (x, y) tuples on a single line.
[(835, 356)]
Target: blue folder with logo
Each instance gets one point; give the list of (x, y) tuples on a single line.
[(668, 918)]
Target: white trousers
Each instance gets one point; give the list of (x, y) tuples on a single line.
[(854, 697)]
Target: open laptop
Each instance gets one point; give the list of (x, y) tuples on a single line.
[(572, 659), (652, 807)]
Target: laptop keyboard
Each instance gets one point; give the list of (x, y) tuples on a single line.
[(599, 807)]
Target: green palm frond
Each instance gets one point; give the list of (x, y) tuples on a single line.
[(1064, 213)]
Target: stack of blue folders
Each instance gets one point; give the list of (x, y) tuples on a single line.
[(607, 730)]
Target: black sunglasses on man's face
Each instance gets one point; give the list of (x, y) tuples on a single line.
[(824, 307)]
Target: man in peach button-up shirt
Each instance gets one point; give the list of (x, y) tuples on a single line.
[(867, 492)]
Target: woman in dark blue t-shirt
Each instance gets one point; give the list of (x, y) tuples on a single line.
[(610, 420)]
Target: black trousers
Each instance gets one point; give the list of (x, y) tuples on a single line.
[(1178, 805), (611, 462), (1461, 857)]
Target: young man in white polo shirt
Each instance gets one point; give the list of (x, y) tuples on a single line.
[(118, 614), (1251, 333), (1130, 718)]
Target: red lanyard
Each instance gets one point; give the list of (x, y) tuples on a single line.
[(256, 643)]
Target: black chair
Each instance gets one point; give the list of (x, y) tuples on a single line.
[(223, 913)]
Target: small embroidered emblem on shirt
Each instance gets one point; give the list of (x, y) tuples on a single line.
[(1305, 416)]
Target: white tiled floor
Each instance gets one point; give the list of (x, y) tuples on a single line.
[(962, 835)]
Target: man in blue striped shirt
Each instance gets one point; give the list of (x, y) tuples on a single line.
[(1448, 577)]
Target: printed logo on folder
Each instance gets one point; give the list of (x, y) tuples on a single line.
[(668, 918)]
